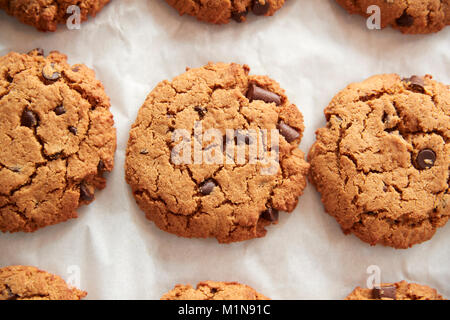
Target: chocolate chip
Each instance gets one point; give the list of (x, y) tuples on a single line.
[(201, 111), (37, 51), (28, 119), (289, 133), (59, 110), (385, 117), (145, 151), (85, 194), (49, 72), (270, 215), (425, 159), (101, 166), (258, 93), (73, 130), (405, 20), (55, 156), (416, 83), (207, 187), (239, 16), (11, 296), (214, 290), (384, 292), (261, 7)]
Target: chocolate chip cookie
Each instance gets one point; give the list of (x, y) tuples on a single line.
[(57, 138), (382, 162), (412, 16), (396, 291), (45, 15), (30, 283), (210, 290), (214, 153), (222, 11)]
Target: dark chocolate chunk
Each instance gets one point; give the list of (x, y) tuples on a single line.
[(260, 7), (100, 166), (201, 111), (49, 72), (11, 296), (214, 290), (239, 16), (207, 187), (258, 93), (270, 215), (28, 119), (289, 133), (37, 51), (405, 20), (85, 194), (145, 151), (388, 292), (425, 159), (73, 130), (416, 83), (59, 110)]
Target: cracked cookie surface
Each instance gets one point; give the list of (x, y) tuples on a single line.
[(222, 11), (382, 162), (211, 290), (57, 138), (396, 291), (45, 15), (228, 201), (30, 283), (408, 16)]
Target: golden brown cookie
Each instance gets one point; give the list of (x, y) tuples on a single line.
[(215, 191), (396, 291), (382, 162), (57, 138), (210, 290), (222, 11), (30, 283), (45, 15), (408, 16)]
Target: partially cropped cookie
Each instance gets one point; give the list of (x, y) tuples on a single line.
[(396, 291), (30, 283), (223, 11), (45, 15), (210, 290), (413, 16), (382, 162), (57, 138), (214, 153)]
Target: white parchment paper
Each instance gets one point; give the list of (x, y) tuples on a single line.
[(314, 49)]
